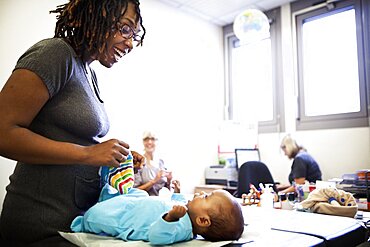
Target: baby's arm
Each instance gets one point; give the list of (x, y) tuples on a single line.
[(175, 213), (173, 227)]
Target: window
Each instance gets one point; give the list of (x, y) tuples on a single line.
[(331, 64), (253, 80)]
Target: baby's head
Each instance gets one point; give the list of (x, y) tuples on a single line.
[(216, 216)]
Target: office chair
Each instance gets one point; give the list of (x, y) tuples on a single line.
[(253, 172)]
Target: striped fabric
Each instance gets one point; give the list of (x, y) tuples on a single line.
[(121, 178)]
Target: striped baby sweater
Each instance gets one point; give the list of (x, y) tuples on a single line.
[(121, 178)]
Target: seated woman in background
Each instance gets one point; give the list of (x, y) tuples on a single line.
[(154, 175), (304, 167)]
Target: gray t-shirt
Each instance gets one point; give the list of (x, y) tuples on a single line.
[(148, 173), (44, 199)]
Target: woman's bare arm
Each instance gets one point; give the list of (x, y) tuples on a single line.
[(292, 188), (22, 97)]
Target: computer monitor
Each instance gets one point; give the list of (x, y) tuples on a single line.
[(243, 155)]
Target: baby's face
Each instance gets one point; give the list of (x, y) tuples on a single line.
[(204, 201)]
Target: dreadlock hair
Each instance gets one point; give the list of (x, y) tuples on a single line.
[(86, 24)]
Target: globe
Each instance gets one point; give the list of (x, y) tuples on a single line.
[(251, 25)]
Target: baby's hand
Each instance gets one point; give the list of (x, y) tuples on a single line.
[(168, 175), (175, 213), (176, 186), (138, 160)]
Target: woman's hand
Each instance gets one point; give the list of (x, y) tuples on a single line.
[(160, 174), (168, 175), (175, 184), (108, 153)]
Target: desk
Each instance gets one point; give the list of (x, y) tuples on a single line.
[(333, 231), (275, 238)]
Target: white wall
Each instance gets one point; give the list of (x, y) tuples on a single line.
[(338, 151), (22, 23), (172, 85)]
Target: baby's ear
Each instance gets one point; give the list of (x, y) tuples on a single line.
[(203, 221)]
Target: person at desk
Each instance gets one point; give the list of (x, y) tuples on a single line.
[(53, 119), (304, 167), (154, 175)]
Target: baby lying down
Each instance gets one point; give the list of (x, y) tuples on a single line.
[(137, 216)]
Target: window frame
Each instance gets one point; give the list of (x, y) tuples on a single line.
[(277, 124), (303, 10)]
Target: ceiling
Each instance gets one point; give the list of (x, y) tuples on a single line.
[(222, 12)]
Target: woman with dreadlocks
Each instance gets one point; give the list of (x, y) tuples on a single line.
[(52, 118)]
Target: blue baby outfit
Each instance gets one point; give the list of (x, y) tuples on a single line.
[(134, 216)]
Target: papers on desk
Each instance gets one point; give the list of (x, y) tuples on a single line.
[(331, 228), (325, 184), (252, 237)]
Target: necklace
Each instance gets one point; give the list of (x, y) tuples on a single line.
[(91, 77)]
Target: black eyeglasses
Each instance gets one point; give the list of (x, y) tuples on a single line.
[(150, 139), (127, 32)]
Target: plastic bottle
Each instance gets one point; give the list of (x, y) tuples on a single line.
[(267, 207), (300, 193), (267, 197), (333, 201)]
